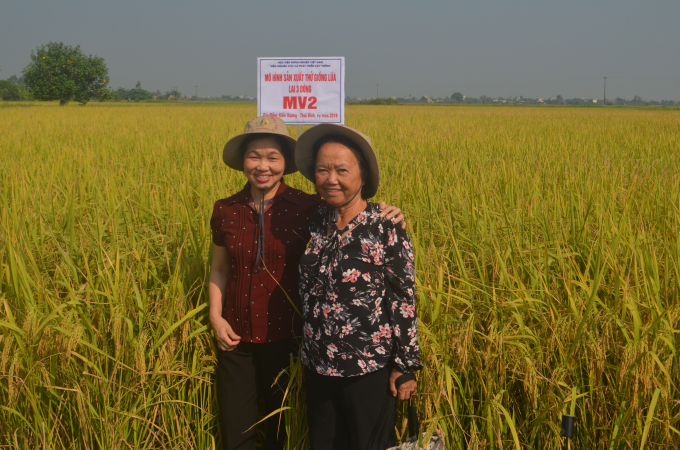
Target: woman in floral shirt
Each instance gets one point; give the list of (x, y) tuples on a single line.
[(357, 291)]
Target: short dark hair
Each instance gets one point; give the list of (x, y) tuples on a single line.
[(283, 144), (350, 144)]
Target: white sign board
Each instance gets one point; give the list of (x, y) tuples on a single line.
[(302, 90)]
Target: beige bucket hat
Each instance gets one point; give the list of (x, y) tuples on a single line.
[(304, 152), (232, 154)]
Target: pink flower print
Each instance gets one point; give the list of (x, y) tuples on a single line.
[(397, 330), (372, 365), (356, 302), (347, 329), (366, 277), (322, 269), (351, 275), (368, 354), (376, 337), (412, 331), (307, 330), (326, 310), (407, 310), (380, 350), (362, 365), (332, 296), (330, 349), (385, 331), (391, 237)]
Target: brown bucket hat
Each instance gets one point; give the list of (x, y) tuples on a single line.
[(233, 155), (304, 152)]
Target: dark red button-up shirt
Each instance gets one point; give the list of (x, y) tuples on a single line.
[(255, 304)]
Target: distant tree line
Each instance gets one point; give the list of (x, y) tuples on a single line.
[(138, 94), (373, 101), (14, 89), (458, 98), (64, 73)]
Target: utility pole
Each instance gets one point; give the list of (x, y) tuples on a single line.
[(377, 91), (605, 91), (196, 92)]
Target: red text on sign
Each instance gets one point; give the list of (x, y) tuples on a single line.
[(293, 102)]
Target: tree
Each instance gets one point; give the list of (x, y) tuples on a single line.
[(14, 80), (457, 97), (174, 94), (9, 91), (559, 99), (138, 94), (138, 85), (64, 73)]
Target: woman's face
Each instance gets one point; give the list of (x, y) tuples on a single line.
[(337, 173), (263, 163)]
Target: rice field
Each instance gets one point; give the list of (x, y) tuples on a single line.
[(548, 257)]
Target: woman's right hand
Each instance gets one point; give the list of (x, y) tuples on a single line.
[(227, 340)]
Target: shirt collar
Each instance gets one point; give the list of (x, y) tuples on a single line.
[(283, 192)]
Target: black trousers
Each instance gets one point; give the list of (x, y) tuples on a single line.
[(344, 412), (244, 377)]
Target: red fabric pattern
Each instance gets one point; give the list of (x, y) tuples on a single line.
[(255, 304)]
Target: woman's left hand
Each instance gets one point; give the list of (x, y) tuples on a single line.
[(405, 390), (393, 213)]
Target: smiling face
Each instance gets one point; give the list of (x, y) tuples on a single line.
[(337, 173), (263, 163)]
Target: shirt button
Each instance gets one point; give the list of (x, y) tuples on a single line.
[(254, 287), (252, 303)]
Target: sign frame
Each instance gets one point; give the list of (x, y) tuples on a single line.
[(302, 64)]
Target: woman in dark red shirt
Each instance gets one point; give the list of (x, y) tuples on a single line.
[(259, 235)]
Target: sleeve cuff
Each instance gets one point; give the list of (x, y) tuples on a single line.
[(404, 378)]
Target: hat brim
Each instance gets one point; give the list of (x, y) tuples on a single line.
[(304, 153), (233, 157)]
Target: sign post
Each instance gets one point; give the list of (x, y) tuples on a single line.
[(302, 91)]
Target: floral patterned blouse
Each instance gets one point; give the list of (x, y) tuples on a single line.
[(357, 294)]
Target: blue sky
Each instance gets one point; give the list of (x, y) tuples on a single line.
[(426, 47)]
